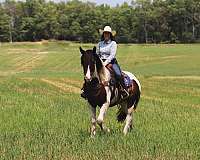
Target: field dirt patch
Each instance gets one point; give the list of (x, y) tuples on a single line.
[(62, 86), (17, 50), (172, 57), (31, 43), (25, 51), (21, 51), (8, 73), (44, 52), (41, 90), (65, 84), (164, 100), (29, 79), (28, 63), (177, 77), (71, 81)]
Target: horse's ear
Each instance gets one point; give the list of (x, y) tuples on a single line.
[(94, 49), (81, 50)]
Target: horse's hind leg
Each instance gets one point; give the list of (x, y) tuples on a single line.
[(129, 120)]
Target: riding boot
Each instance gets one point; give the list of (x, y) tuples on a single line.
[(124, 91)]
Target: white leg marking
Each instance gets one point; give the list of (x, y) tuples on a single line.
[(128, 124), (93, 120), (104, 106), (104, 75), (103, 110)]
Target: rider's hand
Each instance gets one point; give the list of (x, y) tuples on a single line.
[(106, 62)]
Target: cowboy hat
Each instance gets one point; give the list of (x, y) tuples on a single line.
[(107, 29)]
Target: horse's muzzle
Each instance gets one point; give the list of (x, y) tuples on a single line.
[(88, 79)]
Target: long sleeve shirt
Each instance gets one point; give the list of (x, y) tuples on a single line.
[(107, 50)]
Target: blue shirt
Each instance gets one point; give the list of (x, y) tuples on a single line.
[(107, 50)]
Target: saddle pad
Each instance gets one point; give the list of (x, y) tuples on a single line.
[(132, 77), (127, 80)]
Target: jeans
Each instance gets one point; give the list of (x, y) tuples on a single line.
[(116, 69)]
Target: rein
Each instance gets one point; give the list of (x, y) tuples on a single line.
[(105, 83)]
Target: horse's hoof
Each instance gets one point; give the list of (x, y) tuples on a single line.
[(108, 130), (125, 132), (99, 121), (92, 135), (105, 129)]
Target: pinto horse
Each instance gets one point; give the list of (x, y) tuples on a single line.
[(101, 92)]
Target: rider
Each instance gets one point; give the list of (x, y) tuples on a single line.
[(106, 49)]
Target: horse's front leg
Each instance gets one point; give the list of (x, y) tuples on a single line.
[(93, 120), (103, 110)]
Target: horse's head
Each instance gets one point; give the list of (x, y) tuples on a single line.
[(88, 61)]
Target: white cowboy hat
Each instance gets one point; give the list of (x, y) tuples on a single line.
[(107, 29)]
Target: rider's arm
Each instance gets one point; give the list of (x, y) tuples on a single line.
[(113, 51)]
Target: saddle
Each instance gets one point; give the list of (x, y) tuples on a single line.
[(127, 80), (115, 85)]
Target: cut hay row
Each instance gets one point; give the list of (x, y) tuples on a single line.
[(62, 86)]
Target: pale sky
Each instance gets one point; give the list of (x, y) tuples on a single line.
[(109, 2)]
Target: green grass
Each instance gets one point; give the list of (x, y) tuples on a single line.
[(43, 117)]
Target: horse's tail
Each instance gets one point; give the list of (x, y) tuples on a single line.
[(121, 114), (132, 100)]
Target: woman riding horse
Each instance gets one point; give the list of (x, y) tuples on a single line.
[(100, 93), (106, 50)]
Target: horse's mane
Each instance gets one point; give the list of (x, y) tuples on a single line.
[(99, 63)]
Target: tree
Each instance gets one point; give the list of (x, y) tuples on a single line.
[(4, 25), (144, 21)]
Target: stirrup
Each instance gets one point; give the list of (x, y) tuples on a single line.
[(124, 94)]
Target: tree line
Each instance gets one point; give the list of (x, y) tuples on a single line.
[(142, 21)]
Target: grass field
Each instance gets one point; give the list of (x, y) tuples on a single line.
[(43, 117)]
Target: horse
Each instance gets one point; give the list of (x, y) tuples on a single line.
[(101, 91)]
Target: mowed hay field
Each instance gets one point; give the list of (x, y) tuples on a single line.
[(43, 117)]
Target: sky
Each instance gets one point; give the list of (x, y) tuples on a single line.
[(110, 2), (98, 2)]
